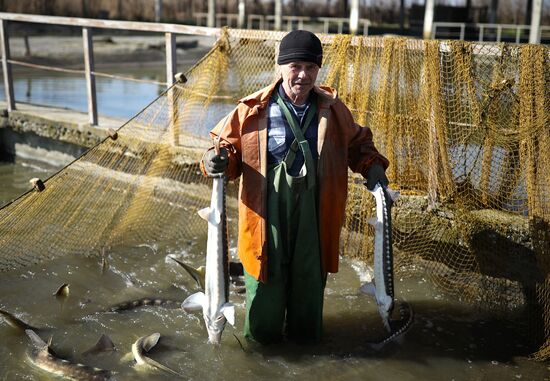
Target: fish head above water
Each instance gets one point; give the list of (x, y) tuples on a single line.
[(214, 318), (215, 323)]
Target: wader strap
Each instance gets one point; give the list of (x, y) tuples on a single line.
[(299, 138)]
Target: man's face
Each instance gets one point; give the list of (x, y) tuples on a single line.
[(298, 79)]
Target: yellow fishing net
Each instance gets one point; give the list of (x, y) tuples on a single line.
[(464, 125)]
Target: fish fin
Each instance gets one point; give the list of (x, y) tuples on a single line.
[(155, 364), (394, 194), (228, 310), (197, 274), (15, 322), (214, 217), (194, 302), (104, 344), (150, 341), (373, 221), (127, 357), (62, 291), (204, 213), (368, 288), (36, 340)]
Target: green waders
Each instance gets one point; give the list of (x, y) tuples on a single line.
[(293, 293)]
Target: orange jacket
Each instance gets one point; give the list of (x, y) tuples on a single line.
[(341, 144)]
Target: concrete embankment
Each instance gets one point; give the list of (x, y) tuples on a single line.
[(49, 133)]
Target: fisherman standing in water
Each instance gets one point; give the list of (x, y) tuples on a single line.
[(292, 142)]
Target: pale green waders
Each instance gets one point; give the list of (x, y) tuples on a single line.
[(291, 300)]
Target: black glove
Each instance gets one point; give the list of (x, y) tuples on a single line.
[(214, 164), (376, 174)]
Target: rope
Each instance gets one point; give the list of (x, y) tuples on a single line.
[(78, 71)]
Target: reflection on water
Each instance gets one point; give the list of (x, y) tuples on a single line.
[(15, 176), (115, 97)]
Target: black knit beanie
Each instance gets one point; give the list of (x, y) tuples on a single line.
[(300, 45)]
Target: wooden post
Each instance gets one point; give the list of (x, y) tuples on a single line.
[(170, 41), (90, 76), (6, 66)]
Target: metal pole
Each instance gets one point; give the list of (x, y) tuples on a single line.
[(493, 12), (158, 10), (90, 76), (428, 19), (211, 18), (534, 33), (170, 43), (354, 17), (278, 15), (242, 14), (6, 66)]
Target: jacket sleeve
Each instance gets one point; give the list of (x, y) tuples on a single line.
[(229, 131), (362, 153)]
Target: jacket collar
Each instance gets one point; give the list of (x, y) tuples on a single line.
[(327, 96)]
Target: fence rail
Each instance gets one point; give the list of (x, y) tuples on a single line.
[(495, 30), (170, 31), (87, 25), (256, 21)]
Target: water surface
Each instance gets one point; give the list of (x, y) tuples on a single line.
[(449, 340)]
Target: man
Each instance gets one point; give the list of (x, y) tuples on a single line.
[(292, 143)]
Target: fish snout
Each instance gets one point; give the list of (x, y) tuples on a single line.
[(214, 337)]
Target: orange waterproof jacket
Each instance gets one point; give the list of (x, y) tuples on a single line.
[(341, 144)]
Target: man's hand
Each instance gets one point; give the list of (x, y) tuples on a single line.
[(376, 174), (214, 164)]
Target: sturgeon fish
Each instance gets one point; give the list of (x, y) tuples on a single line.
[(143, 302), (144, 345), (216, 309), (15, 322), (44, 358), (382, 287)]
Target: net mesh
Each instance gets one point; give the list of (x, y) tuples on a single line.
[(465, 127)]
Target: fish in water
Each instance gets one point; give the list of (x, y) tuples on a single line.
[(198, 274), (15, 322), (104, 261), (44, 358), (214, 303), (236, 271), (404, 309), (62, 292), (143, 302), (382, 287), (104, 344), (143, 345)]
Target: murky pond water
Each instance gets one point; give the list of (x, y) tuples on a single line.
[(447, 341)]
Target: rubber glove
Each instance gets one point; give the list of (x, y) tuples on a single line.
[(376, 174), (215, 164)]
